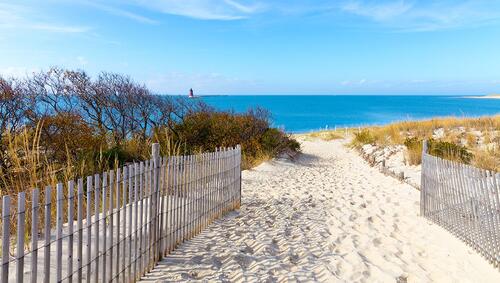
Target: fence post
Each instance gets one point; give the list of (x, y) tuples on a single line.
[(34, 234), (5, 238), (239, 171), (59, 231), (21, 214), (422, 179), (155, 152), (46, 248)]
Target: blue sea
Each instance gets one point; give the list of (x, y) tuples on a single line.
[(304, 113)]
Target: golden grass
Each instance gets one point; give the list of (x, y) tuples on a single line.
[(326, 135), (413, 154), (489, 160), (424, 129), (28, 168), (251, 162), (397, 133)]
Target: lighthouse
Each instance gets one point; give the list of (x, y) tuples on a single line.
[(191, 94)]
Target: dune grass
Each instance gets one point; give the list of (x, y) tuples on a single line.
[(326, 135), (475, 141)]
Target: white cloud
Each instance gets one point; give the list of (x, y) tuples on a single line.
[(379, 11), (203, 9), (358, 82), (120, 12), (56, 28), (20, 17), (407, 15)]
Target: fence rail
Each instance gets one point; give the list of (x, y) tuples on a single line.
[(464, 200), (117, 225)]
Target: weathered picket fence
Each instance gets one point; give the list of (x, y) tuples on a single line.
[(116, 226), (464, 200)]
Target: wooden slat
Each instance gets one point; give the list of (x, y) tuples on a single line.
[(35, 210), (59, 223), (21, 217), (46, 249), (161, 210), (124, 221), (147, 217), (118, 212), (79, 227), (141, 219), (176, 196), (129, 223), (71, 200), (111, 232), (97, 192), (104, 235), (88, 224), (5, 238), (170, 207), (136, 219), (155, 153)]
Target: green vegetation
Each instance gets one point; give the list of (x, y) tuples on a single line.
[(450, 151), (206, 130), (363, 137), (442, 149)]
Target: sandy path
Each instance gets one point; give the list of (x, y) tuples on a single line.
[(327, 217)]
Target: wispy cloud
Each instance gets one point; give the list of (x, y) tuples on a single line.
[(402, 15), (378, 11), (114, 10), (203, 9), (407, 15), (20, 17), (56, 28)]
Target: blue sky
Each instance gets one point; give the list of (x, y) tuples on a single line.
[(262, 47)]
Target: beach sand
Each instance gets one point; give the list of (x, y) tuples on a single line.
[(326, 217)]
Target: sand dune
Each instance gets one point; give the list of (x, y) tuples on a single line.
[(326, 217)]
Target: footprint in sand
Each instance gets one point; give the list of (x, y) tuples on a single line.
[(244, 261), (216, 263)]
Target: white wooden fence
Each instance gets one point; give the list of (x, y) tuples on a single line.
[(118, 225), (464, 200)]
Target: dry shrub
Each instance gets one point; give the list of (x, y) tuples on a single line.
[(489, 160), (67, 136), (413, 151), (208, 130), (363, 137)]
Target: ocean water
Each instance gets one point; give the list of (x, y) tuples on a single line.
[(303, 113)]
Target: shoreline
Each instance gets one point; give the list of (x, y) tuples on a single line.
[(355, 127)]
